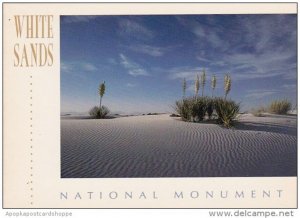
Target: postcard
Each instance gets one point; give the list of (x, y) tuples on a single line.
[(150, 105)]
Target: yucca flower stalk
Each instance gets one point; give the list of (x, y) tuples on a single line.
[(183, 88), (197, 85), (213, 84), (227, 84), (203, 80), (101, 92)]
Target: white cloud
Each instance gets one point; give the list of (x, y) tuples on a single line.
[(203, 59), (253, 66), (133, 68), (83, 66), (112, 61), (88, 67), (65, 67), (289, 86), (131, 85), (270, 57), (134, 29), (260, 93), (261, 48), (188, 73), (264, 33), (77, 19), (210, 62), (204, 33), (147, 49), (184, 72)]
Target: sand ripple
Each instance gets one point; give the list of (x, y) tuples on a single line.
[(161, 146)]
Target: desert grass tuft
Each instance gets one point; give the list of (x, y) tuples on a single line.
[(280, 106), (258, 112)]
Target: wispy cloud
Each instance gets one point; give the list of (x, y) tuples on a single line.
[(112, 61), (131, 85), (205, 34), (260, 93), (208, 35), (250, 47), (289, 86), (189, 73), (200, 58), (133, 29), (88, 67), (83, 66), (133, 68), (148, 49), (65, 67), (269, 56), (77, 19), (266, 33), (255, 66), (184, 72)]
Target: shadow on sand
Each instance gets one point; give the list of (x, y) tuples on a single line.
[(266, 127)]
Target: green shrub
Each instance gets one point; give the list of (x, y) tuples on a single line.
[(227, 110), (182, 107), (94, 111), (198, 108), (280, 106), (194, 108), (210, 107), (99, 113)]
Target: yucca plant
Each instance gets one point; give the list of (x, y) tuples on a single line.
[(209, 107), (227, 111), (94, 112), (197, 85), (203, 81), (99, 112), (198, 108), (227, 84), (182, 107), (213, 84), (101, 92), (103, 111), (280, 106)]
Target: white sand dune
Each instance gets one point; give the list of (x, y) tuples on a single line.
[(163, 146)]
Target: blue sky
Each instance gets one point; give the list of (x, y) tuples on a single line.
[(143, 59)]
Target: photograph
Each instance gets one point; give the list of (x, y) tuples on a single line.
[(184, 96)]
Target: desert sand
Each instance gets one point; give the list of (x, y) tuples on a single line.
[(164, 146)]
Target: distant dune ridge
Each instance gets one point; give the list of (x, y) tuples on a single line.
[(164, 146)]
